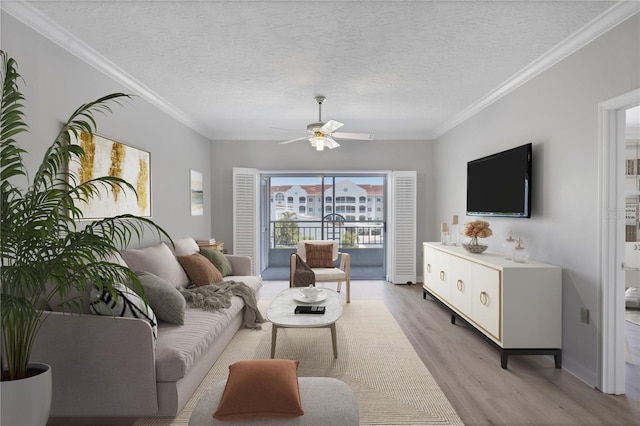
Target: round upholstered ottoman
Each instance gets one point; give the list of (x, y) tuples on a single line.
[(325, 401)]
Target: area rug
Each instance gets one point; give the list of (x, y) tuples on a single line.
[(391, 384), (632, 315)]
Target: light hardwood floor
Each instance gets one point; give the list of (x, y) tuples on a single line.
[(530, 392)]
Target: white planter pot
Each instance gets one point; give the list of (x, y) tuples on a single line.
[(27, 401)]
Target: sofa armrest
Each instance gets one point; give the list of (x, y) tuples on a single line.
[(101, 365), (241, 264)]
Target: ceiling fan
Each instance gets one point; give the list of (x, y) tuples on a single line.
[(321, 135)]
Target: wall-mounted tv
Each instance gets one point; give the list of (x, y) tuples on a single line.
[(500, 184)]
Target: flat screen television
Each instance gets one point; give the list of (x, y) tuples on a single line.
[(500, 184)]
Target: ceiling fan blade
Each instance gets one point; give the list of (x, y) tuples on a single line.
[(361, 136), (294, 140), (331, 126), (330, 143)]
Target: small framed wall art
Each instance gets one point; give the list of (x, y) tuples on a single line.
[(107, 157), (197, 194)]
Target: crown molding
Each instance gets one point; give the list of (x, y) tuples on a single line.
[(609, 19), (35, 19), (30, 16)]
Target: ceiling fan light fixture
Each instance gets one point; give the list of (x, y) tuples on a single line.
[(321, 133)]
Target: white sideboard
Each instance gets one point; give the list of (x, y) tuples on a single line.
[(515, 306)]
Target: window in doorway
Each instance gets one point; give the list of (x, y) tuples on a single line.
[(346, 208)]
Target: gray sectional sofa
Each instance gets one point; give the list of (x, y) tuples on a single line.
[(113, 366)]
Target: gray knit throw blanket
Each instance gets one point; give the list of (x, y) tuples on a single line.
[(218, 296)]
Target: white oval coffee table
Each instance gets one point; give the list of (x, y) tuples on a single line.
[(281, 314)]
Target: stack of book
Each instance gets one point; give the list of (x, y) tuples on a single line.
[(209, 242)]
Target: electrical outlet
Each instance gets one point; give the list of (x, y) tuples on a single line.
[(584, 315)]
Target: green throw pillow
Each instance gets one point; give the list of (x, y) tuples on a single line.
[(165, 300), (219, 260)]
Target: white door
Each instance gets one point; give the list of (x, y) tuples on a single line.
[(402, 232)]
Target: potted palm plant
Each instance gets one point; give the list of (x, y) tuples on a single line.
[(45, 251)]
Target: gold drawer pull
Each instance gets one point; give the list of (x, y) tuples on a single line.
[(443, 276), (428, 267), (484, 298), (460, 285)]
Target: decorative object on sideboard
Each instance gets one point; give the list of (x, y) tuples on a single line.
[(520, 254), (476, 229), (454, 232), (445, 238), (509, 246)]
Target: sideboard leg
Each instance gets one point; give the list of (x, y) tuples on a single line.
[(453, 319), (557, 357), (504, 358)]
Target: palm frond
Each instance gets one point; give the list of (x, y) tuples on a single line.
[(44, 253)]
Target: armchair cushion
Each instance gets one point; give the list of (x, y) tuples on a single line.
[(319, 255)]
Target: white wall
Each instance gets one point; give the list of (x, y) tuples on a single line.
[(56, 83), (351, 155), (558, 112)]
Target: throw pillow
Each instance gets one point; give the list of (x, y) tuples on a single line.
[(185, 247), (159, 260), (126, 304), (219, 260), (261, 389), (199, 270), (165, 300), (319, 255)]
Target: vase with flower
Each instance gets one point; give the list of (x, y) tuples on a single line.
[(474, 230)]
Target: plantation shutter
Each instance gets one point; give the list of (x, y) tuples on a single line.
[(402, 238), (246, 218)]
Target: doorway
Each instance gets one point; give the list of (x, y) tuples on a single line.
[(611, 242), (348, 208)]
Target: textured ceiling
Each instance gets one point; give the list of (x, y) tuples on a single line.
[(241, 70)]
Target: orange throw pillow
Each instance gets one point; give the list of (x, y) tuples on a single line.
[(261, 389), (199, 270), (319, 255)]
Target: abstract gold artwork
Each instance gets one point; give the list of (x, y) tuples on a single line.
[(106, 157)]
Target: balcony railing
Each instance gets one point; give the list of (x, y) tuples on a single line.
[(351, 234)]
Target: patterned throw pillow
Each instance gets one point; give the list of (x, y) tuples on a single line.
[(199, 270), (319, 255), (127, 304)]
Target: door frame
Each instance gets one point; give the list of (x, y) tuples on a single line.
[(611, 377)]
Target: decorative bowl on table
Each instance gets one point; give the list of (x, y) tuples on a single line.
[(475, 248)]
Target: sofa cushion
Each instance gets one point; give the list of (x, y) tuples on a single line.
[(165, 300), (261, 389), (199, 270), (180, 347), (159, 260), (126, 304), (319, 255), (185, 247), (219, 260)]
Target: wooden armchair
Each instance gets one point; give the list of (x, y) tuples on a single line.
[(320, 256)]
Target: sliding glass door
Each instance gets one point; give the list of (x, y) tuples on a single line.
[(348, 208)]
